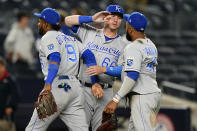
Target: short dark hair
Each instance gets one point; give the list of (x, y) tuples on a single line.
[(56, 27), (2, 61), (20, 15), (117, 13)]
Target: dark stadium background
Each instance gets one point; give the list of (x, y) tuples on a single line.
[(172, 27)]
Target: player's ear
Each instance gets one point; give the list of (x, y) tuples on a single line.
[(129, 28), (46, 25)]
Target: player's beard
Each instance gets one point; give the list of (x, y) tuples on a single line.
[(41, 31), (128, 37)]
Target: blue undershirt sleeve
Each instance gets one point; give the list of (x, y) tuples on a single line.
[(85, 19), (133, 75), (53, 68), (82, 19), (114, 71), (90, 60), (75, 28)]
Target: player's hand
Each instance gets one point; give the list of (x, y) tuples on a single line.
[(97, 90), (47, 87), (8, 111), (107, 18), (95, 70), (100, 16), (111, 107)]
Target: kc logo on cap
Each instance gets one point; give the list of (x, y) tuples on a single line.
[(118, 8), (115, 9)]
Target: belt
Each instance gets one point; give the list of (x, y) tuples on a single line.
[(66, 77), (63, 77), (103, 85)]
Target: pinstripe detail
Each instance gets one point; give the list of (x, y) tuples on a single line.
[(34, 124), (141, 113)]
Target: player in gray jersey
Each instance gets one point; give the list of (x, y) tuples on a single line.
[(139, 76), (59, 58), (107, 46)]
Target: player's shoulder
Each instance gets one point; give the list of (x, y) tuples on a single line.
[(50, 35), (119, 42), (123, 43), (129, 47), (14, 25), (141, 43), (132, 44), (151, 42)]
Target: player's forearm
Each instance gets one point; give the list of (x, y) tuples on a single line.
[(53, 66), (72, 20), (77, 20), (126, 87), (52, 72), (128, 84), (114, 71)]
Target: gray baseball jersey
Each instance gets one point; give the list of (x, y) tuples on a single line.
[(107, 53), (69, 48), (141, 56), (70, 104)]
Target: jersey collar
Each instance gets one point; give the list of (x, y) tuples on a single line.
[(101, 34)]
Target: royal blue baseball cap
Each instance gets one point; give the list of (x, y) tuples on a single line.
[(49, 15), (115, 9), (137, 20)]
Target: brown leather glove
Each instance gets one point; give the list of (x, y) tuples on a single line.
[(45, 105), (109, 122)]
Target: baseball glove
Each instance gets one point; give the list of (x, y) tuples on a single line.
[(45, 105), (109, 122)]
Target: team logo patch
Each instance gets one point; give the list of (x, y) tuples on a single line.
[(129, 62), (50, 47), (118, 8)]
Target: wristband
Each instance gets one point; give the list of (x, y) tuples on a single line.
[(116, 98), (85, 19)]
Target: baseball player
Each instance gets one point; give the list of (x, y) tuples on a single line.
[(107, 46), (140, 61), (59, 58)]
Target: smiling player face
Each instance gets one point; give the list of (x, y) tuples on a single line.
[(113, 21)]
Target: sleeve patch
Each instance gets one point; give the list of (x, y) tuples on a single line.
[(51, 46), (129, 61)]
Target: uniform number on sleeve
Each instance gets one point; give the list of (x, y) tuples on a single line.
[(107, 62), (71, 54)]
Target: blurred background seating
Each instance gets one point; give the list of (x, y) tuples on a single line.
[(172, 27)]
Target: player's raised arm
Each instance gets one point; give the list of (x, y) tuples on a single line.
[(79, 19), (72, 20)]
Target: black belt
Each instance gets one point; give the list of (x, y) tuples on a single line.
[(104, 85), (66, 77), (63, 77)]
